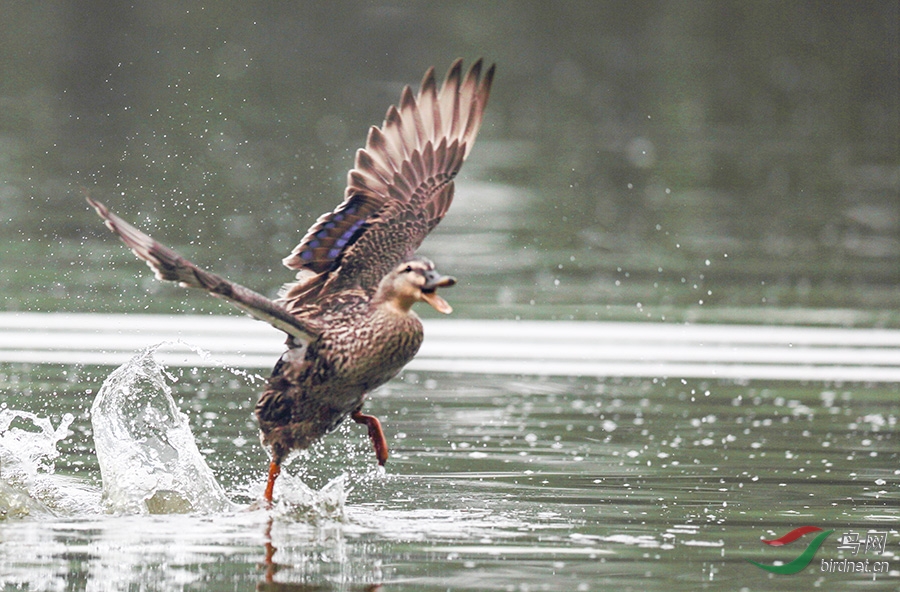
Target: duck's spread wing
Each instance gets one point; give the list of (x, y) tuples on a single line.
[(169, 265), (399, 189)]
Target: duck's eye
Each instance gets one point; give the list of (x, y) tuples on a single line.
[(408, 269)]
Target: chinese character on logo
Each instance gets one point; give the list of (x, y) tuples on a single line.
[(849, 542), (874, 541), (877, 541)]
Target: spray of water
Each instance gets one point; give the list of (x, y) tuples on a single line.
[(29, 486), (299, 502), (148, 458), (150, 462)]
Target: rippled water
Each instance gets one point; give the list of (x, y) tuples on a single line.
[(663, 165), (496, 482)]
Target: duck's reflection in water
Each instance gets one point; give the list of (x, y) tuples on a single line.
[(271, 567)]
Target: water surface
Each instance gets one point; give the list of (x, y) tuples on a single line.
[(676, 164), (497, 481)]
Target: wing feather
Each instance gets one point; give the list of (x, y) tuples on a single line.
[(169, 265), (399, 189)]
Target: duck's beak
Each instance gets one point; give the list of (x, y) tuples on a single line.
[(433, 281)]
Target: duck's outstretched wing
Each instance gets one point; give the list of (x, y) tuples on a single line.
[(397, 192), (169, 265)]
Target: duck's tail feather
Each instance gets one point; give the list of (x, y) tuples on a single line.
[(169, 265)]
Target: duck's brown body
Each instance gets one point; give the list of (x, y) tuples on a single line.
[(313, 389), (348, 315)]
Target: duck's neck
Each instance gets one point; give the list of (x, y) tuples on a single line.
[(399, 309), (393, 303)]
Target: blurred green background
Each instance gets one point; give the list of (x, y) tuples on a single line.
[(651, 160)]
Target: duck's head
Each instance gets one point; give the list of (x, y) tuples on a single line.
[(415, 280)]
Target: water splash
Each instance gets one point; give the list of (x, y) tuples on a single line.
[(29, 485), (26, 452), (148, 458), (347, 450), (297, 501)]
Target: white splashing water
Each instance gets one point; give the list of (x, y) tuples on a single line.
[(297, 501), (148, 458), (27, 454)]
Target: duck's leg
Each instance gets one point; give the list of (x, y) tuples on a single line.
[(274, 471), (375, 433)]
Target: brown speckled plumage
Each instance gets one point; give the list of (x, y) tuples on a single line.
[(348, 314), (309, 396)]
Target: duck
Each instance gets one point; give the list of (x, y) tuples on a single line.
[(348, 314)]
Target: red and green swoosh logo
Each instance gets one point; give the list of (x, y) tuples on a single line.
[(804, 559)]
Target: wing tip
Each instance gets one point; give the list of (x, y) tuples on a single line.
[(453, 112)]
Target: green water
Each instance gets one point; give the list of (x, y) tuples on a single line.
[(495, 483), (691, 162), (638, 160)]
